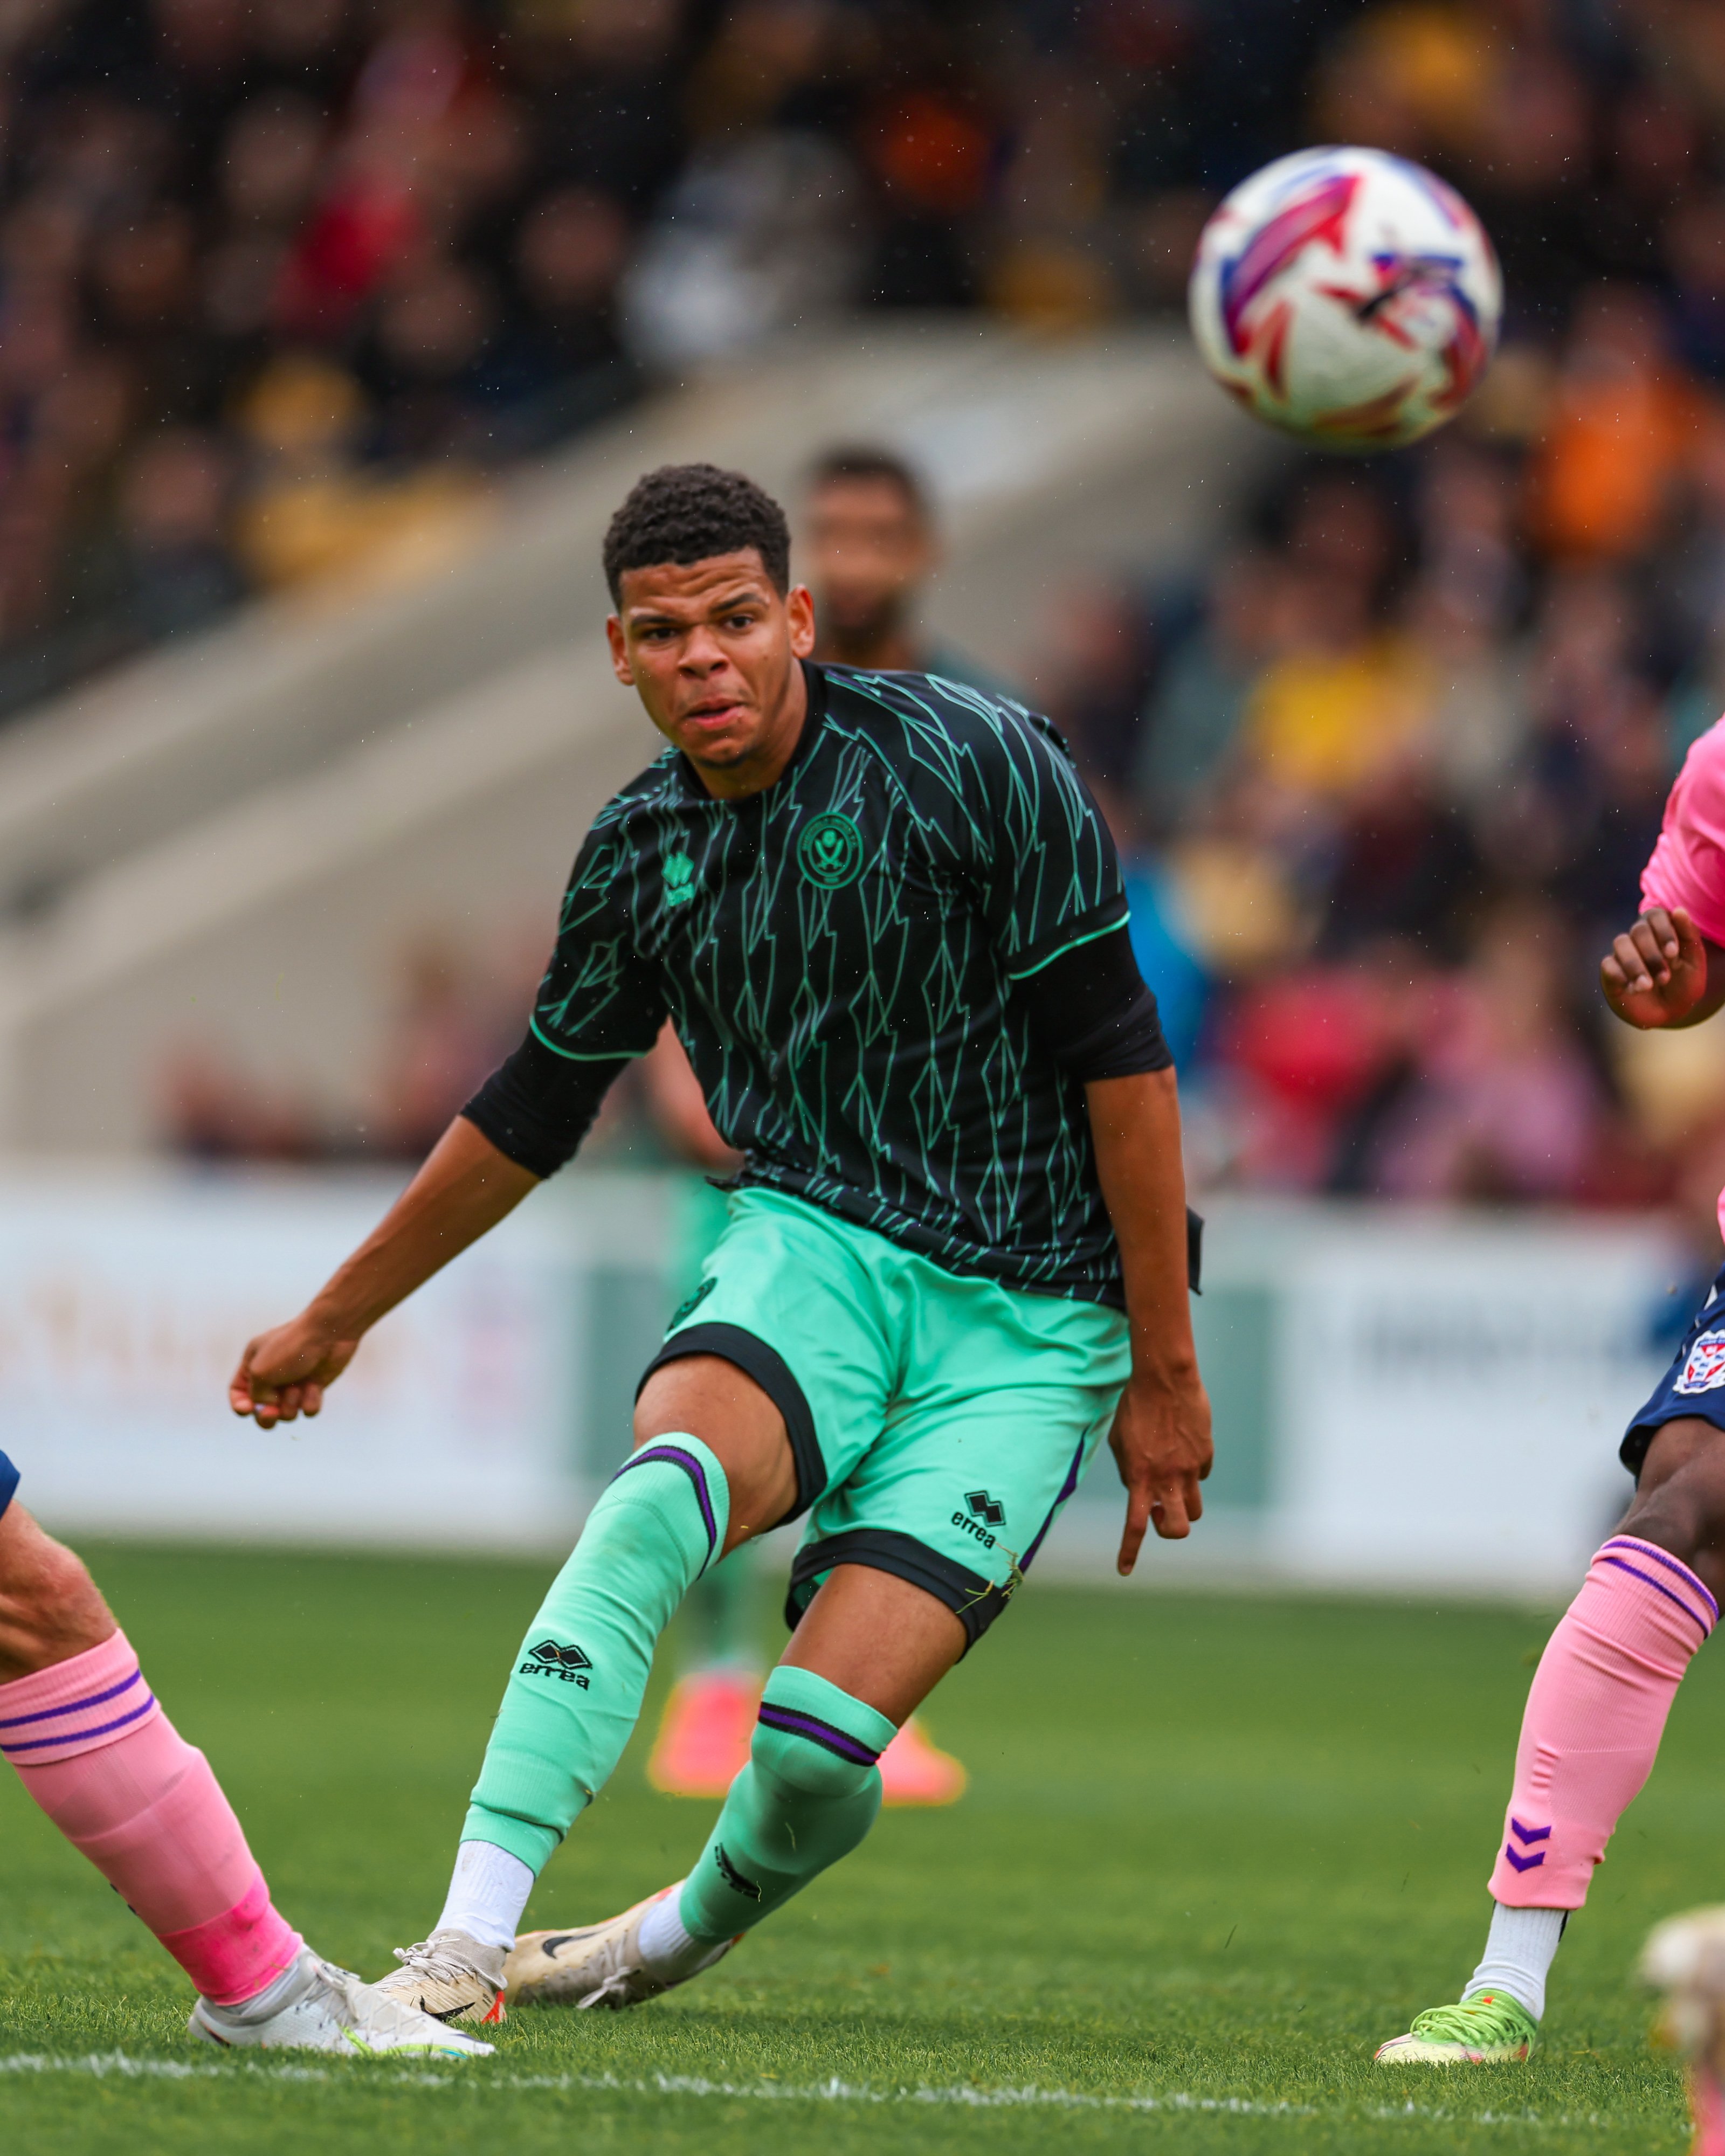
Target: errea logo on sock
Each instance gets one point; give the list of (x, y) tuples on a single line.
[(549, 1659)]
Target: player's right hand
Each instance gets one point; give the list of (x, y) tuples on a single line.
[(282, 1373), (1655, 973)]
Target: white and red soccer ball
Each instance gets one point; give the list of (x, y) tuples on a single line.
[(1347, 296)]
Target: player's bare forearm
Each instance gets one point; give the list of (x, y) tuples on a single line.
[(1160, 1438), (1663, 973), (465, 1187)]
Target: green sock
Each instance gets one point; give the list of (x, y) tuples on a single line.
[(809, 1794), (575, 1694)]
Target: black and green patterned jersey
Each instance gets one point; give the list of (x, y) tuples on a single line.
[(838, 955)]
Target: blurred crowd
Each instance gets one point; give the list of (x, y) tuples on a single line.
[(1389, 768), (283, 281), (1388, 773)]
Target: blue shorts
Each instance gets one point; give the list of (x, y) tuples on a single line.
[(9, 1483), (1694, 1384)]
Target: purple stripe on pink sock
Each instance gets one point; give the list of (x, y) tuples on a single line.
[(1669, 1563), (78, 1736), (72, 1706), (1623, 1564)]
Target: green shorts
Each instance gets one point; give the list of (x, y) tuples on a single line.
[(938, 1424)]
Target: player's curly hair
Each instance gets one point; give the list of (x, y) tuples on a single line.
[(685, 513)]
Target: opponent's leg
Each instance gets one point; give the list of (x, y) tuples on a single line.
[(92, 1747), (675, 1506), (1595, 1713), (868, 1650)]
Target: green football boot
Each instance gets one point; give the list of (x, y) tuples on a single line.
[(1489, 2030)]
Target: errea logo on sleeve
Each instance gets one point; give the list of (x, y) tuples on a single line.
[(679, 874)]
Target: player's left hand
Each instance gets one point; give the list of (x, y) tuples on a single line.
[(1160, 1443), (1655, 973), (283, 1373)]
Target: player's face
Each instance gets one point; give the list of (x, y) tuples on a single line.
[(869, 547), (711, 649)]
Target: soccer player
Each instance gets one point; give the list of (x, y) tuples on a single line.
[(888, 924), (1599, 1698), (872, 545), (704, 1734), (92, 1746)]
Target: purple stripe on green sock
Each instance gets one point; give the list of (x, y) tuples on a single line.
[(795, 1723), (675, 1456)]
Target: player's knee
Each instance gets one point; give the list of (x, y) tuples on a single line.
[(1679, 1504), (50, 1608), (808, 1767)]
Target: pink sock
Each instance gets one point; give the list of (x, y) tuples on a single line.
[(105, 1762), (1595, 1718)]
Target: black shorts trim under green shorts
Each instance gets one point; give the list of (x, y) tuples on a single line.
[(769, 1370), (937, 1422)]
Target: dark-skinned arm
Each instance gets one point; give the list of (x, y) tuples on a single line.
[(465, 1187), (1160, 1438), (1663, 973)]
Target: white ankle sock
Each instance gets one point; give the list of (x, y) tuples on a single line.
[(1519, 1951), (280, 1991), (487, 1894), (666, 1947)]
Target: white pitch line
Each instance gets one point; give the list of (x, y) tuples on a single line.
[(102, 2064)]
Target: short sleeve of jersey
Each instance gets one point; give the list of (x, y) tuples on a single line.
[(600, 998), (1051, 875), (1687, 869)]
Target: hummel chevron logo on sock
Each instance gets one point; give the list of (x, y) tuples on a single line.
[(1530, 1834)]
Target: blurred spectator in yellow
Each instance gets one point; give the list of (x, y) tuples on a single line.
[(1347, 693), (314, 507)]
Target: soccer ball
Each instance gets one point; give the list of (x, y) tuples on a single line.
[(1347, 296)]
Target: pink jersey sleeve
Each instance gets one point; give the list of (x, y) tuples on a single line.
[(1688, 864)]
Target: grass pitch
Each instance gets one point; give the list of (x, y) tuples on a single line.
[(1213, 1849)]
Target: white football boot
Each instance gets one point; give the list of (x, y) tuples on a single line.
[(596, 1965), (326, 2008), (451, 1977)]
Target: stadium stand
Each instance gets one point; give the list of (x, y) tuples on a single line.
[(287, 294)]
